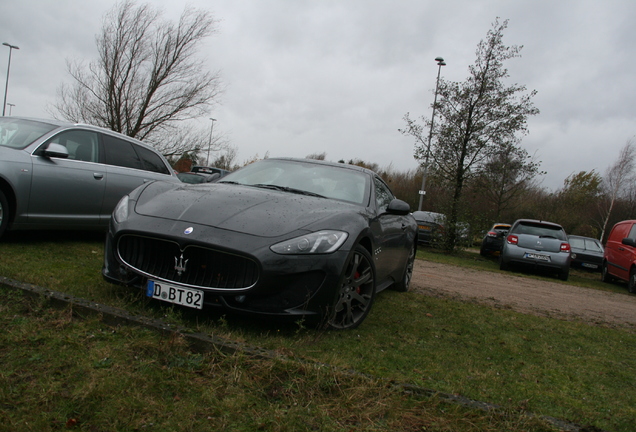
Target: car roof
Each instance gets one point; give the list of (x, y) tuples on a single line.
[(68, 124), (428, 216), (583, 237), (537, 221)]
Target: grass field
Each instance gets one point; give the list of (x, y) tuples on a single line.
[(569, 370)]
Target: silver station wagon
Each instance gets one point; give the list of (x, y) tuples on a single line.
[(538, 244), (59, 175)]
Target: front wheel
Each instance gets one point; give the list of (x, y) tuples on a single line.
[(355, 293), (404, 284), (4, 213), (631, 283)]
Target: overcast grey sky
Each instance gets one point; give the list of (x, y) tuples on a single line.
[(333, 76)]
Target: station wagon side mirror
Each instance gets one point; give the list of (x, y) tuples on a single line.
[(398, 207), (629, 242), (56, 150)]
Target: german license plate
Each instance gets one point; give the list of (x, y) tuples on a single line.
[(588, 265), (539, 257), (175, 294)]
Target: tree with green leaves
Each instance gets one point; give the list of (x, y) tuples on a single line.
[(578, 201), (147, 78), (477, 119), (504, 178)]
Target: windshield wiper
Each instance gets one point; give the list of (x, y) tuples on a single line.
[(288, 189)]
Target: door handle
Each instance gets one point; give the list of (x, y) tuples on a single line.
[(98, 176)]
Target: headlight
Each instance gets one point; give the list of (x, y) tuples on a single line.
[(314, 243), (121, 211)]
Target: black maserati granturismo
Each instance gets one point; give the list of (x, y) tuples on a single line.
[(286, 237)]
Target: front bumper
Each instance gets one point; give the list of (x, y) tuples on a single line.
[(284, 285)]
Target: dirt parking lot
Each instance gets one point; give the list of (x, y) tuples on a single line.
[(526, 295)]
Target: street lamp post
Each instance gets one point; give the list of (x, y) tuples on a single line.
[(440, 63), (6, 87), (210, 142)]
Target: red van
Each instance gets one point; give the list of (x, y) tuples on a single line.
[(619, 258)]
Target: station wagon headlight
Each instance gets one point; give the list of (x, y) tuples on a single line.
[(315, 243), (121, 211)]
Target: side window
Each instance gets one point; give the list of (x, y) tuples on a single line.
[(81, 145), (151, 160), (632, 232), (383, 195), (120, 153)]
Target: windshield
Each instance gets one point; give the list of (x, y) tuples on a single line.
[(19, 133), (326, 181)]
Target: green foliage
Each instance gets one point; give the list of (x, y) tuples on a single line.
[(479, 120), (128, 378), (64, 373)]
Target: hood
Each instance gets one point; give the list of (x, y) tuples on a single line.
[(246, 209)]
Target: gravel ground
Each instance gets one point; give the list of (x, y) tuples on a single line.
[(525, 295)]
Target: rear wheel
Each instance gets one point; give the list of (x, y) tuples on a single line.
[(631, 283), (564, 274), (356, 292), (404, 284), (4, 213), (502, 264)]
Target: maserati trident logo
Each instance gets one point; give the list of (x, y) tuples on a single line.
[(180, 264)]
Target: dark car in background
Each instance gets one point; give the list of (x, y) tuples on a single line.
[(430, 226), (493, 241), (537, 244), (195, 177), (209, 170), (278, 237), (586, 253), (60, 175)]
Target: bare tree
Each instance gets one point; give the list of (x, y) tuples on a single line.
[(227, 159), (147, 77), (618, 176), (174, 143)]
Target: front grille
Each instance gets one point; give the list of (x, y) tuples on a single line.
[(194, 265)]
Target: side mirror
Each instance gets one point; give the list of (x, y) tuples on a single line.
[(56, 150), (629, 242), (398, 207)]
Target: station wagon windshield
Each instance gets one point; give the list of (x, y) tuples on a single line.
[(19, 133)]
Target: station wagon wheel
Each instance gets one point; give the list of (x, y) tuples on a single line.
[(4, 213), (631, 283), (356, 292), (404, 284)]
